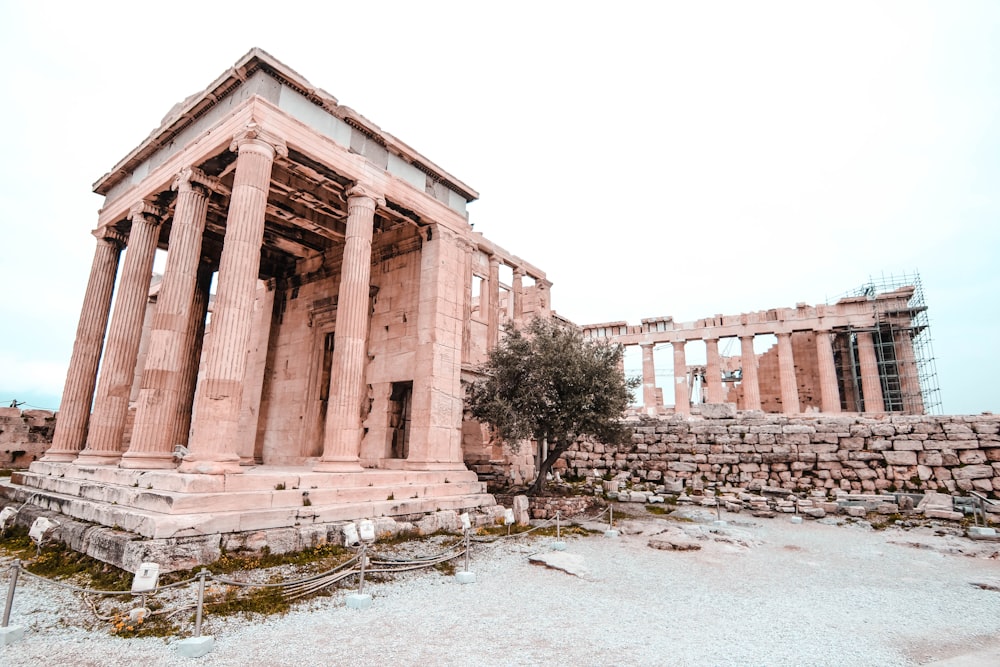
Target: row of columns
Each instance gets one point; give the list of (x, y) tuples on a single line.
[(170, 382), (490, 298), (750, 381)]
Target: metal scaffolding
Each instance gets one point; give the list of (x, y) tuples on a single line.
[(905, 358)]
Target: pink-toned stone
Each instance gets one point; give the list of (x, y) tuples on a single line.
[(107, 423)]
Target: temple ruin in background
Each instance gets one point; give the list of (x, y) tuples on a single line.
[(869, 352)]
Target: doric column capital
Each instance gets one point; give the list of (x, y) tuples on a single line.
[(190, 178), (255, 135), (518, 272), (361, 190), (144, 211), (110, 235), (494, 261)]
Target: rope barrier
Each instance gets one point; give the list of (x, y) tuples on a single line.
[(291, 589), (246, 584)]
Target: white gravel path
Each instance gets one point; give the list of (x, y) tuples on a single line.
[(771, 593)]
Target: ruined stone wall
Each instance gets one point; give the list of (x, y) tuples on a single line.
[(545, 507), (948, 453), (24, 436)]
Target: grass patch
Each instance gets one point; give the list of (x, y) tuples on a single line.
[(572, 529), (318, 558), (446, 568), (883, 521), (659, 509), (57, 561)]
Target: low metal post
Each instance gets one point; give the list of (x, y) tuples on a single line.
[(201, 602), (15, 570), (611, 517), (361, 577), (466, 549), (558, 527)]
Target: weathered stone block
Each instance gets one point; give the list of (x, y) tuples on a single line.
[(907, 445), (905, 458), (718, 410), (972, 472), (972, 456)]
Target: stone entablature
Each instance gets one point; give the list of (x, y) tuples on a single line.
[(259, 75), (955, 454)]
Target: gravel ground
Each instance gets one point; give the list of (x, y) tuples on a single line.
[(759, 592)]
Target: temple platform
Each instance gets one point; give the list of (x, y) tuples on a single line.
[(283, 508)]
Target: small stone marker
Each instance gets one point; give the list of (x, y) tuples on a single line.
[(11, 634), (981, 532), (359, 601), (195, 647)]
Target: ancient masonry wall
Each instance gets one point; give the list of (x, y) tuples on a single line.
[(24, 436), (952, 454)]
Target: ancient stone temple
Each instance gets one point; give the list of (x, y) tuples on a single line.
[(349, 296), (865, 353)]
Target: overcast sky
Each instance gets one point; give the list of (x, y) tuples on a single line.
[(670, 158)]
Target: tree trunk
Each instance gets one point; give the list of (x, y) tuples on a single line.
[(556, 450)]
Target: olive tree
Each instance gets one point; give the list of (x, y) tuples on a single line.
[(547, 383)]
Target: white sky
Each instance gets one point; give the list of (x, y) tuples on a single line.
[(670, 158)]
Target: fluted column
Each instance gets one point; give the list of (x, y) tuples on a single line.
[(713, 371), (435, 429), (194, 339), (871, 383), (81, 377), (749, 380), (517, 293), (786, 374), (152, 442), (909, 375), (829, 394), (256, 371), (493, 304), (342, 438), (682, 396), (648, 379), (212, 446), (117, 372)]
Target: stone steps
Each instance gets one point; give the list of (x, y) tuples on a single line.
[(168, 504), (178, 502), (152, 524), (260, 478)]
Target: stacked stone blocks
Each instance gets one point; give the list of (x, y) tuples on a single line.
[(952, 454)]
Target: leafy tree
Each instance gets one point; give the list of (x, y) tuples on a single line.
[(550, 384)]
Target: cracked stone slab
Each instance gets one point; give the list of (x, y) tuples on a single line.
[(569, 563)]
